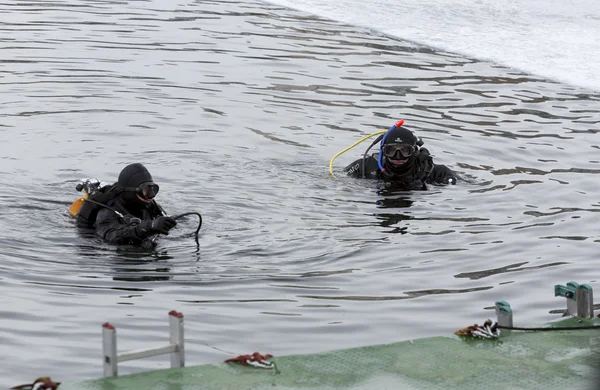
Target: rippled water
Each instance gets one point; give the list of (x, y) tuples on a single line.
[(236, 108)]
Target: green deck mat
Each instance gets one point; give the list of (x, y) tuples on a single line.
[(521, 360)]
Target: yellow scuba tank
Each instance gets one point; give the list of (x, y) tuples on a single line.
[(76, 205), (89, 187)]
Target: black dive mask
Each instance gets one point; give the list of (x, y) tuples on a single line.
[(145, 191), (398, 151)]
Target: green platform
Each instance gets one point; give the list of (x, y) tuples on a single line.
[(522, 360)]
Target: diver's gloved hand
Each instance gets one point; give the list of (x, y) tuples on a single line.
[(163, 225), (450, 180), (159, 225)]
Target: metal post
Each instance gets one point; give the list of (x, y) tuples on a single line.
[(176, 338), (585, 301), (109, 349), (504, 316), (572, 300)]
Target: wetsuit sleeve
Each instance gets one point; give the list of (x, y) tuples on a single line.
[(442, 175), (356, 168), (113, 230)]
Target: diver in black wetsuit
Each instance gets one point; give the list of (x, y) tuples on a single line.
[(130, 214), (402, 163)]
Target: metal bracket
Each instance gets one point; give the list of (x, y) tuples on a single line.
[(580, 301)]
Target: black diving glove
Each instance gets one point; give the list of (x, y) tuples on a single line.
[(159, 225), (450, 180)]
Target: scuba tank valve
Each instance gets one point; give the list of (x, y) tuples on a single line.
[(89, 188)]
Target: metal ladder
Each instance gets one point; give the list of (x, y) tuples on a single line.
[(175, 347)]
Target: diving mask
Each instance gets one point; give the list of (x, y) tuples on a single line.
[(398, 151)]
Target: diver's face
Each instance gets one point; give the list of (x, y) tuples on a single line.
[(135, 201)]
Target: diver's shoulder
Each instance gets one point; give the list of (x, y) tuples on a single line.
[(368, 164)]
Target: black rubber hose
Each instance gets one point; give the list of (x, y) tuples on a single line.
[(556, 328), (191, 213)]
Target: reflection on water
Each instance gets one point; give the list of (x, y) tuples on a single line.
[(391, 219), (236, 109), (408, 295), (502, 270), (131, 263)]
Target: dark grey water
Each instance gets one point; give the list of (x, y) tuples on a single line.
[(236, 108)]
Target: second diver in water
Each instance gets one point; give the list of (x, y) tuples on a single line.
[(402, 162)]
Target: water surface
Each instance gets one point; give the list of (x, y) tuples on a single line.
[(236, 108)]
